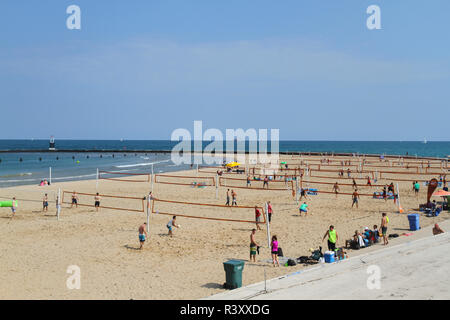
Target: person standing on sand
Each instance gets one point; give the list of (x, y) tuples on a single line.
[(355, 197), (142, 235), (249, 183), (336, 189), (228, 198), (384, 224), (274, 251), (269, 211), (172, 223), (253, 246), (233, 197), (354, 184), (266, 182), (14, 207), (257, 217), (74, 200), (332, 238), (97, 199), (45, 203)]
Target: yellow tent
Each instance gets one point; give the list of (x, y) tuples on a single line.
[(233, 164)]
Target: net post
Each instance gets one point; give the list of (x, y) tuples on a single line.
[(217, 186), (50, 175), (58, 211), (96, 182), (148, 213), (267, 224), (152, 178)]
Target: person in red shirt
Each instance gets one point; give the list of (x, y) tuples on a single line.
[(269, 210), (257, 218)]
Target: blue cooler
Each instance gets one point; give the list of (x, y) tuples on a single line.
[(329, 256), (413, 222)]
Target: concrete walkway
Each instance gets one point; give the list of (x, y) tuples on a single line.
[(414, 267)]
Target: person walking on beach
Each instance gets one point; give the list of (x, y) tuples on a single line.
[(332, 238), (274, 251), (384, 224), (385, 193), (355, 197), (249, 183), (97, 199), (257, 217), (172, 223), (302, 194), (253, 246), (13, 207), (45, 203), (336, 189), (354, 184), (269, 210), (142, 235), (228, 198), (74, 200), (233, 197), (369, 183)]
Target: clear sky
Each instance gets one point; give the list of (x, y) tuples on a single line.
[(140, 69)]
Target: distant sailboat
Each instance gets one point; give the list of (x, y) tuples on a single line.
[(424, 140)]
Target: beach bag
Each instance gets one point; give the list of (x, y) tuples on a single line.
[(303, 259), (280, 252), (394, 235), (291, 262)]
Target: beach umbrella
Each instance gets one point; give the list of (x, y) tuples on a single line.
[(441, 193)]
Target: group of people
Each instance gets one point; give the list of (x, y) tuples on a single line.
[(370, 236)]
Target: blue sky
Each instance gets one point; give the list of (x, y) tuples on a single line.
[(140, 69)]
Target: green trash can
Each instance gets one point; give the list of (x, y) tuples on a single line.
[(233, 272)]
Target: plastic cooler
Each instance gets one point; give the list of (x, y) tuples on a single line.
[(329, 256), (414, 223)]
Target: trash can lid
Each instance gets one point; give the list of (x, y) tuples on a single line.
[(235, 262)]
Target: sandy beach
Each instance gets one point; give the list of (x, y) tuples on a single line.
[(37, 249)]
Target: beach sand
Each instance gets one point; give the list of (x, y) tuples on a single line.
[(36, 249)]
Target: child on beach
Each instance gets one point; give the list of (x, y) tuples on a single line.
[(274, 251)]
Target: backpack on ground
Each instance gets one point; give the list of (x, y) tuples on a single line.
[(291, 262)]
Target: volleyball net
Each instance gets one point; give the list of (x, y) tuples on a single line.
[(29, 196), (207, 211), (113, 202), (194, 181), (124, 176), (257, 184)]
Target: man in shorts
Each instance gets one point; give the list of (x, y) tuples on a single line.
[(303, 208), (74, 200), (249, 183), (172, 223), (336, 189), (234, 198), (266, 182), (45, 203), (142, 235), (332, 238), (253, 246), (355, 197), (97, 201), (228, 198), (384, 224)]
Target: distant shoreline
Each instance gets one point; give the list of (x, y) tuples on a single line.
[(296, 153)]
